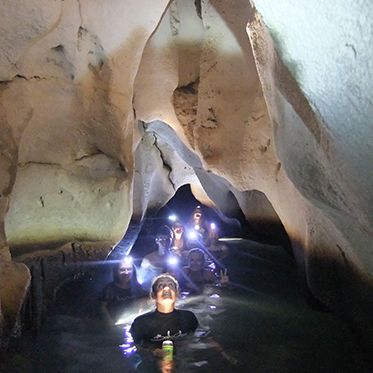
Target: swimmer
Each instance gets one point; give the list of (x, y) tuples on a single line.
[(119, 293), (179, 243), (154, 263), (199, 227), (195, 274), (165, 322)]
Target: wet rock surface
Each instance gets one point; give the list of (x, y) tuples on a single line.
[(261, 323)]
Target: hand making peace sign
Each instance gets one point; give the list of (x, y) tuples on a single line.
[(224, 278)]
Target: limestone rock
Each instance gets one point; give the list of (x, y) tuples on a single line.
[(107, 108), (317, 125), (69, 100), (93, 190)]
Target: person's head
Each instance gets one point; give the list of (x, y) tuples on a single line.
[(163, 239), (178, 230), (123, 271), (213, 233), (196, 260), (164, 291), (197, 215)]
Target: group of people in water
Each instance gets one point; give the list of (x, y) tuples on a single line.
[(192, 254), (187, 257)]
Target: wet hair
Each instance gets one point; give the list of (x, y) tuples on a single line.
[(196, 250), (160, 277), (164, 230)]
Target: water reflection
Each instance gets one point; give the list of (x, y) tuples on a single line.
[(128, 348), (262, 324)]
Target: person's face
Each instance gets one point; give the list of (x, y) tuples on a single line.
[(196, 261), (163, 243), (125, 272), (197, 216), (165, 291)]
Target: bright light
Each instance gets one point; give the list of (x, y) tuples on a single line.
[(192, 235), (173, 218), (213, 226), (142, 272), (227, 239), (196, 227), (127, 260), (126, 318), (140, 279), (173, 261), (212, 265)]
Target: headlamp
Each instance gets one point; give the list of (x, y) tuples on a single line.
[(173, 261), (127, 260), (192, 235)]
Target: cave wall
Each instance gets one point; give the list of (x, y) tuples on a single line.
[(66, 126), (320, 103), (68, 100), (107, 108)]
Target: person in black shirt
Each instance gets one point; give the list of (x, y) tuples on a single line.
[(119, 293), (165, 322)]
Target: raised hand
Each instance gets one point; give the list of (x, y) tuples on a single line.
[(224, 278)]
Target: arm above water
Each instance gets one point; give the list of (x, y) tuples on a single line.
[(224, 278)]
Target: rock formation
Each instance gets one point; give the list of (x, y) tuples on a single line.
[(108, 108)]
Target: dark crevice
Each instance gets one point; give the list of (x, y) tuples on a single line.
[(25, 164), (59, 48), (165, 164), (34, 77), (198, 5), (97, 152), (343, 255), (191, 88)]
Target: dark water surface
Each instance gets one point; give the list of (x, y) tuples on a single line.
[(261, 323)]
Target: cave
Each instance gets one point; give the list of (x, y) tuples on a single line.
[(112, 111)]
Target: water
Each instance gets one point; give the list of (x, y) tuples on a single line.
[(261, 323)]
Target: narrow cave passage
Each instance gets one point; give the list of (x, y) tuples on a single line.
[(262, 321)]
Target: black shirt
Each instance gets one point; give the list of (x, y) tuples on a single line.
[(153, 326), (118, 298)]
